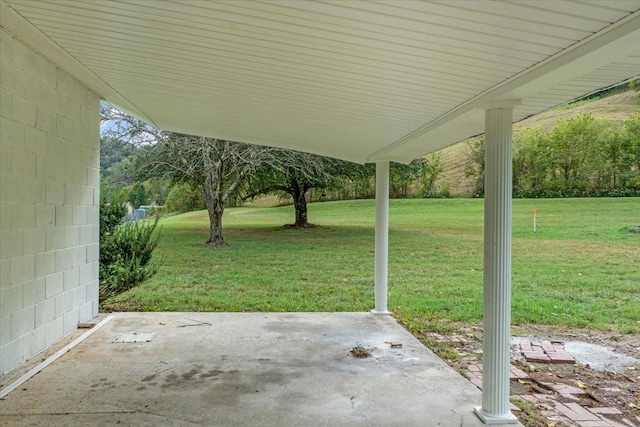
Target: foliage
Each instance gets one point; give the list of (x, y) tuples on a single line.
[(474, 168), (184, 198), (295, 173), (217, 168), (125, 250), (138, 195), (581, 157)]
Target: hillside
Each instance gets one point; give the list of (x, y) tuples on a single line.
[(615, 108)]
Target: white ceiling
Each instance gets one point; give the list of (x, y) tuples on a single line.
[(362, 81)]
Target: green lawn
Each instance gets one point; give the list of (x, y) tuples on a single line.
[(581, 268)]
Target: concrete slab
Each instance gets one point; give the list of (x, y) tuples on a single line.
[(246, 369)]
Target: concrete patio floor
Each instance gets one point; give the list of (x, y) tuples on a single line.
[(246, 369)]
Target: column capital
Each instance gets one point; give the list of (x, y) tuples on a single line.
[(502, 104)]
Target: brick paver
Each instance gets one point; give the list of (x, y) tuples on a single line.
[(545, 352)]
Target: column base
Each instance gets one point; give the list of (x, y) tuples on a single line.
[(380, 313), (493, 419)]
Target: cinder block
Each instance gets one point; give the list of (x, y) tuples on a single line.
[(45, 312), (71, 320), (79, 256), (42, 94), (12, 133), (6, 46), (10, 300), (45, 263), (90, 118), (54, 284), (5, 273), (22, 322), (86, 234), (33, 292), (71, 194), (33, 64), (93, 290), (54, 239), (65, 83), (23, 164), (86, 312), (5, 216), (64, 215), (34, 241), (64, 259), (45, 216), (79, 296), (68, 108), (86, 198), (11, 355), (67, 129), (23, 268), (86, 274), (11, 188), (71, 236), (53, 331), (64, 303), (46, 118), (36, 140), (54, 193), (93, 179), (71, 278), (6, 103), (12, 245), (5, 160), (5, 330), (35, 191), (23, 217), (24, 111), (33, 342), (93, 252), (12, 79), (93, 215), (79, 214)]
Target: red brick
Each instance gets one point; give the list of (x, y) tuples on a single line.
[(581, 413), (474, 368), (561, 357), (518, 373), (525, 346), (547, 346), (536, 357)]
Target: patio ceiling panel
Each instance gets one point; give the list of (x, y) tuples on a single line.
[(362, 81)]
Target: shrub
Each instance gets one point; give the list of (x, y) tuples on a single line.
[(125, 250), (184, 198)]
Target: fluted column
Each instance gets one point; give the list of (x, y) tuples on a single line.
[(497, 266), (382, 237)]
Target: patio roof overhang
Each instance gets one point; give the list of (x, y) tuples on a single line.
[(361, 81)]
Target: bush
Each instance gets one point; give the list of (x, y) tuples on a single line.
[(184, 198), (125, 251)]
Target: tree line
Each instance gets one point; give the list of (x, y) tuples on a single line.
[(581, 156)]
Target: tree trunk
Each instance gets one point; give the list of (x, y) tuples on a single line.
[(299, 203), (215, 208)]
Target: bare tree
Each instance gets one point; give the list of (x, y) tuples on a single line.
[(216, 167)]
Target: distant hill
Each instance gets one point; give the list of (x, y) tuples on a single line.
[(614, 108)]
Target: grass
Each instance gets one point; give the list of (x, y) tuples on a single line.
[(581, 268)]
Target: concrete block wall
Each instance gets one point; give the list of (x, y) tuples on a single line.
[(49, 202)]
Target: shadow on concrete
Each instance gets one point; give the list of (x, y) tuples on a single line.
[(246, 369)]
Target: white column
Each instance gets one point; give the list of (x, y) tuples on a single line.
[(497, 266), (382, 237)]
